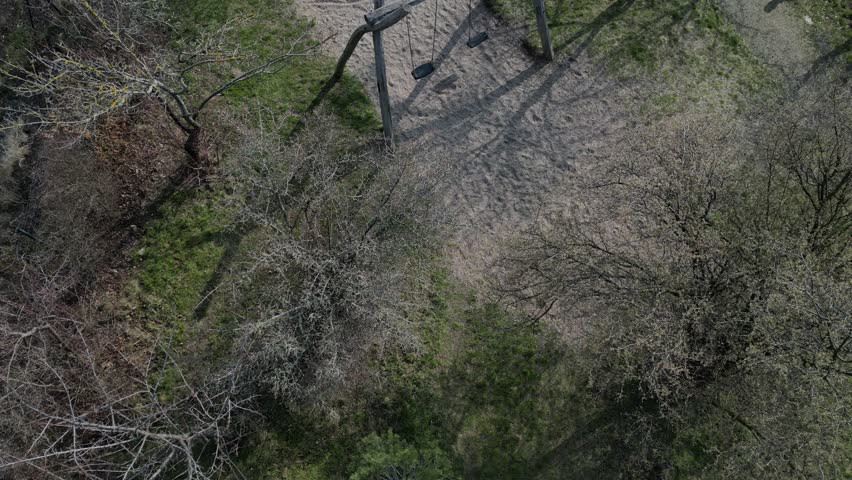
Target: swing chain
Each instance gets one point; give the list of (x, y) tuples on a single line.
[(410, 48), (434, 35), (469, 20), (435, 30)]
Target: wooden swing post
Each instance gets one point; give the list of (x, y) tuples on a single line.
[(380, 19), (543, 29), (383, 17), (382, 80)]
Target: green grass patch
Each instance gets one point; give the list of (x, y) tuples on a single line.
[(181, 251), (686, 45), (19, 40), (269, 28), (628, 33), (831, 24), (177, 258), (507, 401), (480, 398), (17, 35), (270, 455), (390, 456)]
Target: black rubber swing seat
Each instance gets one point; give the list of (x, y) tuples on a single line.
[(423, 71), (477, 39)]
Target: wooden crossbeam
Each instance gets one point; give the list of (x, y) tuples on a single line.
[(378, 14), (383, 23)]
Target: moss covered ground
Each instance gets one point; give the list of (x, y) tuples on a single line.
[(831, 24), (686, 51)]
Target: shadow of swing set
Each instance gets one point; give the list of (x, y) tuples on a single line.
[(385, 16)]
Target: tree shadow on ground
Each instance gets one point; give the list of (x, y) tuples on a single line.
[(826, 60), (231, 242), (641, 36), (451, 44), (587, 32), (452, 120), (595, 446), (591, 29)]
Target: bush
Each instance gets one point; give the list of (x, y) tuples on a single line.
[(341, 238), (713, 279), (389, 457)]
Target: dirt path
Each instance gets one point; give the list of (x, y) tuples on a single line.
[(775, 32), (513, 124)]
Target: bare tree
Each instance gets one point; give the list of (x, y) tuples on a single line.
[(712, 273), (71, 407), (342, 239), (107, 67)]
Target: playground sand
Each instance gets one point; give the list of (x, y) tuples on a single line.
[(513, 124)]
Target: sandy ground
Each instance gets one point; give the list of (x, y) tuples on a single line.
[(775, 32), (513, 124)]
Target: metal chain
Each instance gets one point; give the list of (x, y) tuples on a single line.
[(469, 20), (435, 30), (410, 48)]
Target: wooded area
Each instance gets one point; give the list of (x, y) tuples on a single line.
[(213, 264)]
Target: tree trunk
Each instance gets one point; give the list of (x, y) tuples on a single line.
[(198, 154)]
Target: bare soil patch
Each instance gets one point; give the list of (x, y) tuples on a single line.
[(775, 32)]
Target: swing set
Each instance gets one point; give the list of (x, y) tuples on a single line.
[(425, 69), (385, 16)]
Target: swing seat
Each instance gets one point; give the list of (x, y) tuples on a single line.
[(477, 39), (423, 71)]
